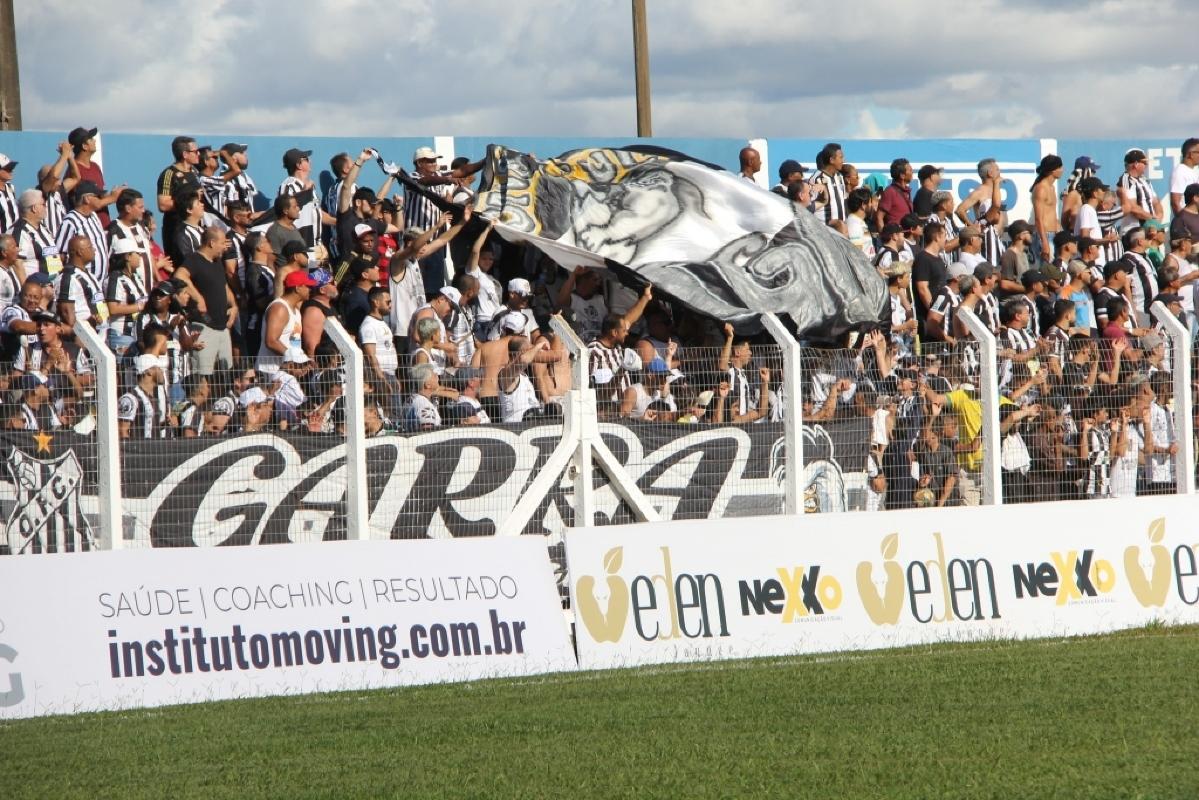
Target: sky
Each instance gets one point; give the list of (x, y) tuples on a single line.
[(750, 68)]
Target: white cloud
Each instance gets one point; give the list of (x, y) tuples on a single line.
[(560, 67)]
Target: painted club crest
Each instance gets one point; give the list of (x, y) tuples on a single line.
[(47, 516)]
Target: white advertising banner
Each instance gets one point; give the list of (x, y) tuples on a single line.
[(689, 591), (109, 630)]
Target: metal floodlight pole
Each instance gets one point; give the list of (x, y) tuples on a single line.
[(10, 79), (641, 67)]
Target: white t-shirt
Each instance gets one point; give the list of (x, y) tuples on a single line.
[(1182, 177), (859, 235), (378, 332), (421, 413), (515, 404), (1088, 220), (407, 295), (971, 260), (588, 315), (287, 389)]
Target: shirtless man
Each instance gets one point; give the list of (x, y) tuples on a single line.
[(1044, 205), (492, 357), (553, 378), (986, 201)]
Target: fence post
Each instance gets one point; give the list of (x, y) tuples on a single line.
[(988, 391), (108, 439), (1180, 363), (358, 522), (792, 413)]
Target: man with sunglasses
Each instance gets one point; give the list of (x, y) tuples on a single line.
[(175, 181), (1138, 201)]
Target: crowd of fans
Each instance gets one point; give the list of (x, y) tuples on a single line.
[(219, 322)]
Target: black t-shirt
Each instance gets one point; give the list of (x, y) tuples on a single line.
[(173, 182), (922, 203), (355, 305), (209, 279), (928, 267), (347, 221)]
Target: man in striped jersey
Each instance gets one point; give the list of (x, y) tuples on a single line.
[(131, 209), (141, 413), (938, 327), (298, 184), (239, 186), (12, 272), (17, 329), (125, 297), (1139, 203), (1018, 344), (80, 297), (421, 213), (988, 280), (607, 353), (9, 212), (30, 231), (55, 180), (986, 203), (828, 183), (83, 221), (190, 206), (1143, 277)]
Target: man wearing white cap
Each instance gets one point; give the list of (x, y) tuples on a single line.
[(422, 213), (288, 391), (8, 196), (141, 412)]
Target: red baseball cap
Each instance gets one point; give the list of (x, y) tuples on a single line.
[(298, 278)]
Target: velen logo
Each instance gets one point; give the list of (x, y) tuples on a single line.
[(1150, 591), (883, 610), (1081, 576), (962, 583), (605, 627), (683, 605), (797, 593)]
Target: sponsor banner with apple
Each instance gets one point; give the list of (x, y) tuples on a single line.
[(113, 630), (714, 589)]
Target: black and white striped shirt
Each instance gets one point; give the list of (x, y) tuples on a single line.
[(77, 286), (989, 311), (951, 232), (190, 418), (30, 417), (76, 224), (146, 273), (241, 189), (742, 393), (1102, 297), (1143, 280), (1059, 338), (188, 238), (147, 419), (599, 356), (1099, 461), (56, 212), (1140, 191), (420, 211), (834, 186), (126, 290), (212, 189), (31, 242), (9, 210), (10, 287), (946, 303), (309, 224), (1108, 220), (993, 246)]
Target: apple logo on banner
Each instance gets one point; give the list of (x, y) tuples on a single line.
[(883, 610), (605, 627), (1150, 591)]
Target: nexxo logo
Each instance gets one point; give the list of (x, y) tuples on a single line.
[(1080, 576), (961, 583), (662, 606), (797, 593)]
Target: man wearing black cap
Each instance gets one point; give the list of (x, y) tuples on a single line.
[(9, 211), (239, 186), (790, 171), (83, 143), (355, 206), (298, 184), (1086, 223), (1014, 261), (1138, 200), (177, 179), (930, 181), (82, 220)]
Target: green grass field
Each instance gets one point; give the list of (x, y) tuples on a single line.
[(1113, 716)]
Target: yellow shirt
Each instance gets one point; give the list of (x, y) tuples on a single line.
[(969, 412)]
